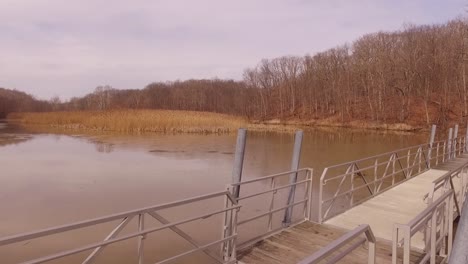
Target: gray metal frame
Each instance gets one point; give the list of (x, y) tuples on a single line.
[(437, 220), (341, 242), (403, 163), (229, 212), (271, 181)]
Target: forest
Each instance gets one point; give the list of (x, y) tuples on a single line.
[(416, 75)]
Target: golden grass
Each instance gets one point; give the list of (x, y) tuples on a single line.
[(167, 121)]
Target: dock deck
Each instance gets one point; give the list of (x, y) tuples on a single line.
[(397, 205), (298, 242)]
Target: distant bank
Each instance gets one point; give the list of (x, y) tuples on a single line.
[(173, 121)]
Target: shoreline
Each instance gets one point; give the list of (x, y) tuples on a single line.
[(267, 127), (191, 122)]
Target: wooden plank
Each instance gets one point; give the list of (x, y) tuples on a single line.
[(297, 243)]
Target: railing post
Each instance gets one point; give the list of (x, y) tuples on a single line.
[(449, 144), (310, 172), (431, 143), (239, 161), (433, 237), (395, 244), (455, 137), (371, 243), (141, 227), (407, 244), (466, 139), (459, 253), (293, 177), (320, 197)]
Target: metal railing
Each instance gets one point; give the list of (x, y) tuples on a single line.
[(456, 177), (228, 241), (346, 185), (437, 221), (354, 236), (270, 186)]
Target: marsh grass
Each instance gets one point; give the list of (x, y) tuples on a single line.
[(166, 121)]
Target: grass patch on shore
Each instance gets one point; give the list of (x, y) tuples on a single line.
[(166, 121)]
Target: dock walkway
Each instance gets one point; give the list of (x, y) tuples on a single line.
[(399, 204), (298, 242)]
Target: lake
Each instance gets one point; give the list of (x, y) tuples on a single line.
[(50, 178)]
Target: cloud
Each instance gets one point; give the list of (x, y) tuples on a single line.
[(66, 48)]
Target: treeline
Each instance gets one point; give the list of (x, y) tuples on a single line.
[(221, 96), (16, 101), (416, 75)]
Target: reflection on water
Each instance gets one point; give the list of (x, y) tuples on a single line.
[(52, 179)]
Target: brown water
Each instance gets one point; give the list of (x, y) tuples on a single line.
[(49, 179)]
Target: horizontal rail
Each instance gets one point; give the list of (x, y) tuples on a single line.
[(371, 173), (105, 219), (436, 221), (269, 212), (229, 211), (126, 237), (371, 167), (449, 174), (429, 209), (272, 190), (382, 155), (366, 185), (286, 173), (334, 246), (301, 177)]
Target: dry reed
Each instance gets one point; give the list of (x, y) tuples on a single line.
[(167, 121)]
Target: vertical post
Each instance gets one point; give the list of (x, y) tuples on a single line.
[(233, 233), (459, 253), (450, 226), (310, 173), (431, 143), (371, 251), (433, 237), (449, 144), (394, 244), (406, 245), (293, 177), (141, 227), (239, 161), (466, 139), (455, 143)]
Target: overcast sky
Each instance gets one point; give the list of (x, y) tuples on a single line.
[(67, 48)]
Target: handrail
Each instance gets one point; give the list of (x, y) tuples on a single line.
[(448, 174), (341, 242), (428, 209), (229, 212), (378, 173), (438, 217), (104, 219), (270, 181), (382, 154), (271, 176), (459, 253), (446, 181)]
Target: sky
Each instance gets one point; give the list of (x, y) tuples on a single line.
[(67, 48)]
